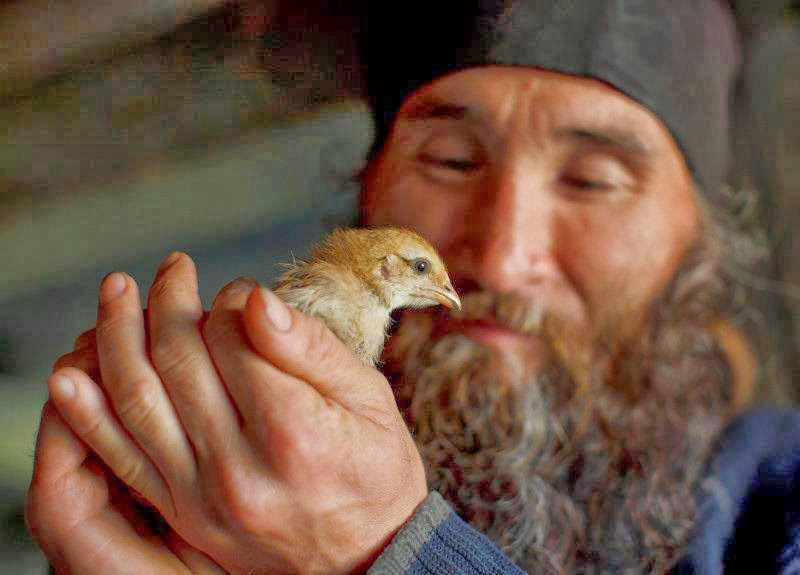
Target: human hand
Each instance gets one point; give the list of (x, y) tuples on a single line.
[(83, 518), (270, 450), (86, 522)]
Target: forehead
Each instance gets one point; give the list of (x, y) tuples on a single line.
[(497, 98)]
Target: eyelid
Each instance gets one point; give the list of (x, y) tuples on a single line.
[(453, 143), (600, 171), (450, 162), (588, 183)]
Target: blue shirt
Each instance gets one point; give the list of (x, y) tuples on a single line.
[(748, 513)]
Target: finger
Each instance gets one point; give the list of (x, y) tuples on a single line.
[(58, 452), (257, 387), (84, 359), (58, 458), (61, 495), (84, 407), (69, 514), (108, 543), (133, 386), (183, 362), (198, 563), (306, 349), (86, 339)]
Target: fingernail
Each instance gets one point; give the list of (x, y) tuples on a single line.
[(168, 261), (112, 287), (61, 387), (277, 312)]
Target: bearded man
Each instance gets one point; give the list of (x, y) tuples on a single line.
[(568, 163)]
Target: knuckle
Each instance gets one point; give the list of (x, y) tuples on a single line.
[(304, 445), (222, 326), (91, 428), (245, 515), (234, 289), (86, 339), (84, 360), (180, 364), (322, 345), (66, 360), (299, 444), (165, 287), (115, 322), (171, 355), (139, 404), (35, 519), (47, 525), (236, 503), (169, 288), (388, 420), (131, 471)]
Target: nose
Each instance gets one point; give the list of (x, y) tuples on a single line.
[(513, 236)]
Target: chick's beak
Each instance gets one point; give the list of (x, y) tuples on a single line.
[(445, 295)]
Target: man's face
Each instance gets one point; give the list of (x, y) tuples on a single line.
[(564, 212), (558, 189)]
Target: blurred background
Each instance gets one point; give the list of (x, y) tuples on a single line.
[(233, 130)]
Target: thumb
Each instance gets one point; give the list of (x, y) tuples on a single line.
[(304, 347)]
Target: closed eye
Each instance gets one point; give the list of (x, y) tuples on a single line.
[(586, 185), (456, 164), (591, 171)]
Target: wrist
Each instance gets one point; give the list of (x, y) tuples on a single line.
[(388, 537)]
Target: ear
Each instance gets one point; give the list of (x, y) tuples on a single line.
[(391, 266)]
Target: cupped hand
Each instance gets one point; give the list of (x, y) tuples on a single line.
[(87, 522), (261, 440)]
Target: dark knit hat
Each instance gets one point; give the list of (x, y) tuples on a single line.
[(676, 57)]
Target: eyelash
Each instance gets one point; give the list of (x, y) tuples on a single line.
[(455, 164), (586, 185), (467, 166)]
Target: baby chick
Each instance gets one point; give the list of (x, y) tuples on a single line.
[(356, 277)]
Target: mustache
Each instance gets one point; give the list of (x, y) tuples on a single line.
[(574, 346), (507, 310)]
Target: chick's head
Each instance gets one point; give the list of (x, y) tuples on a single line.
[(409, 271)]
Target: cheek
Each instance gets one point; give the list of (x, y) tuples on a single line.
[(620, 261), (394, 195)]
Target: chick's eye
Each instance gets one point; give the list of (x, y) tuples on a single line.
[(421, 266)]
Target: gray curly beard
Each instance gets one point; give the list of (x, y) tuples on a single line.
[(578, 468)]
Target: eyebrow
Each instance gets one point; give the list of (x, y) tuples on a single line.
[(609, 138), (433, 108)]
